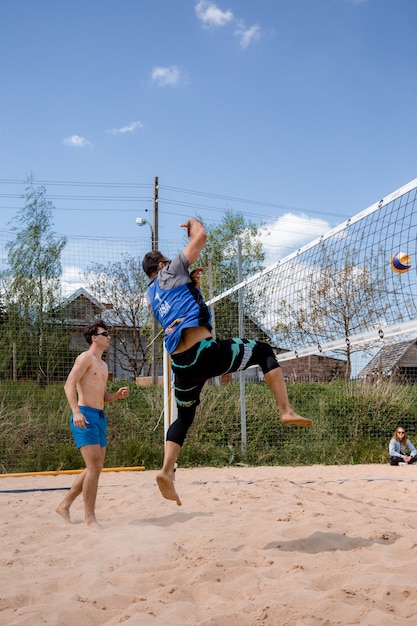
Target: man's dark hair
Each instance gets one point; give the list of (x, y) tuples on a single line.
[(151, 261), (92, 330)]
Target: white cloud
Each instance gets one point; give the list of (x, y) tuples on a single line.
[(166, 75), (72, 278), (210, 14), (130, 128), (288, 233), (248, 35), (75, 141)]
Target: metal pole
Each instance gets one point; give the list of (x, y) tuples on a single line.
[(155, 245), (216, 379), (241, 334), (14, 360)]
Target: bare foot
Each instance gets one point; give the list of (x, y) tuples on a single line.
[(292, 419), (167, 489), (63, 511), (93, 523)]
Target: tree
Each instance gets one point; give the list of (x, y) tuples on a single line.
[(334, 301), (221, 251), (32, 291), (219, 259), (122, 287)]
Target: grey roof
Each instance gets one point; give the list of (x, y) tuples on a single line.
[(83, 292), (387, 358), (106, 313)]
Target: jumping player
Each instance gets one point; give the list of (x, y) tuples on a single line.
[(178, 305)]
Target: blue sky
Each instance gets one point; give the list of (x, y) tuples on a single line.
[(297, 113)]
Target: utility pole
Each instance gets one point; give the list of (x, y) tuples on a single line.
[(155, 213), (155, 244)]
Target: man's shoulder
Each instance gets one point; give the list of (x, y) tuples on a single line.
[(180, 262), (175, 274), (84, 357)]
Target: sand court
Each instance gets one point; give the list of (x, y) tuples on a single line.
[(279, 546)]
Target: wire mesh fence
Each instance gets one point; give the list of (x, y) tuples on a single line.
[(46, 301)]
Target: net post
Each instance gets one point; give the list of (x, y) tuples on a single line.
[(170, 408)]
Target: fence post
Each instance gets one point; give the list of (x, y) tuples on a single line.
[(243, 431)]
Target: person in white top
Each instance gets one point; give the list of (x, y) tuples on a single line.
[(401, 450)]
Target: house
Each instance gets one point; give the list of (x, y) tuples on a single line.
[(126, 355), (314, 368), (397, 363)]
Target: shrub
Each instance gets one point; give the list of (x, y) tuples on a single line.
[(353, 423)]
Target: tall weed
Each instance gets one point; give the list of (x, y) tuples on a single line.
[(353, 423)]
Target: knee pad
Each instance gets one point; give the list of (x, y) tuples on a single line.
[(264, 356), (177, 431)]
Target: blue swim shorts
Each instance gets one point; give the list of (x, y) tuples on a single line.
[(94, 432)]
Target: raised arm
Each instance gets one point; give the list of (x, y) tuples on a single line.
[(197, 239)]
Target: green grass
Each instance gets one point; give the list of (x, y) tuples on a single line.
[(353, 423)]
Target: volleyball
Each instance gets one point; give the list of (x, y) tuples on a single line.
[(400, 262)]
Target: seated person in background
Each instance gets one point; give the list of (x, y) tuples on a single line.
[(401, 448)]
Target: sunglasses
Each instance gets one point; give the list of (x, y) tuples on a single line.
[(400, 432), (105, 334)]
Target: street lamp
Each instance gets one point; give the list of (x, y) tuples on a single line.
[(140, 221)]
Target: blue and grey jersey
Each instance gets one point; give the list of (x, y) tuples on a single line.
[(176, 303)]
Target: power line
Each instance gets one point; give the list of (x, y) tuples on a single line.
[(72, 183), (168, 200), (245, 201), (134, 211), (196, 207)]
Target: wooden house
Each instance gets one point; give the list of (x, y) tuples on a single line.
[(125, 357), (396, 362)]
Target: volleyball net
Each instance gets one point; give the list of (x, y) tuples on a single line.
[(353, 288), (328, 307)]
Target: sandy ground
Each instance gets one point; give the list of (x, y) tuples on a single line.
[(268, 545)]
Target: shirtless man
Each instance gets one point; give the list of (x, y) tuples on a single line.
[(86, 393), (178, 305)]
